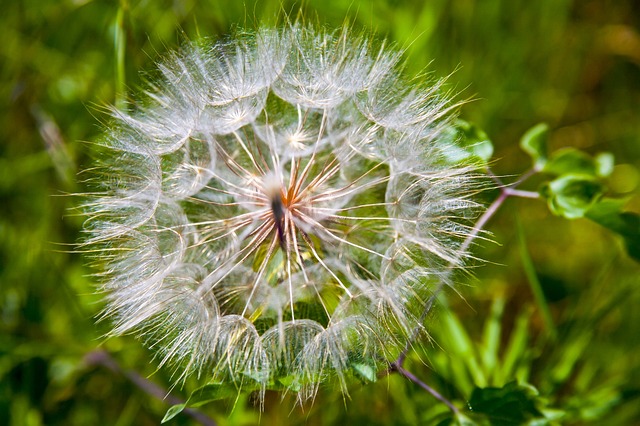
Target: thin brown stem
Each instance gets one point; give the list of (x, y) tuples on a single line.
[(505, 192), (104, 359), (405, 373)]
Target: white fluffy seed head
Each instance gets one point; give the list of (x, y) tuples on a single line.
[(278, 212)]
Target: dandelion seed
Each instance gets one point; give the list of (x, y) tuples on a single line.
[(279, 210)]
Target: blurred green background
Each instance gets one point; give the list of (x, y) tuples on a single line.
[(572, 64)]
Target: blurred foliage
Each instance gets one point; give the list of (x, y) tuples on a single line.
[(572, 64)]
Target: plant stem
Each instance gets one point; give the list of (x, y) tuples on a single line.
[(414, 335), (520, 193), (488, 214), (505, 192), (102, 358), (423, 385)]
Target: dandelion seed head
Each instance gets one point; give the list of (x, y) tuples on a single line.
[(278, 210)]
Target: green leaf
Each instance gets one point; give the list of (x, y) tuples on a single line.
[(572, 195), (534, 284), (212, 392), (462, 420), (467, 143), (260, 377), (534, 143), (570, 161), (491, 336), (574, 161), (512, 404), (608, 213), (459, 343), (516, 349), (458, 419), (291, 382), (365, 372), (173, 411), (604, 162), (207, 393)]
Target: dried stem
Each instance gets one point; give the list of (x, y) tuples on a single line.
[(506, 191), (104, 359), (400, 370)]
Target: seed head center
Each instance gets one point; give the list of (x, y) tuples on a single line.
[(282, 202)]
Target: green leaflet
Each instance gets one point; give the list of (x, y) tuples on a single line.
[(367, 373), (173, 411), (571, 195), (534, 143), (205, 394), (467, 143), (574, 161), (608, 213), (512, 404)]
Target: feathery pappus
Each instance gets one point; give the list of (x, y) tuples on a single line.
[(278, 210)]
